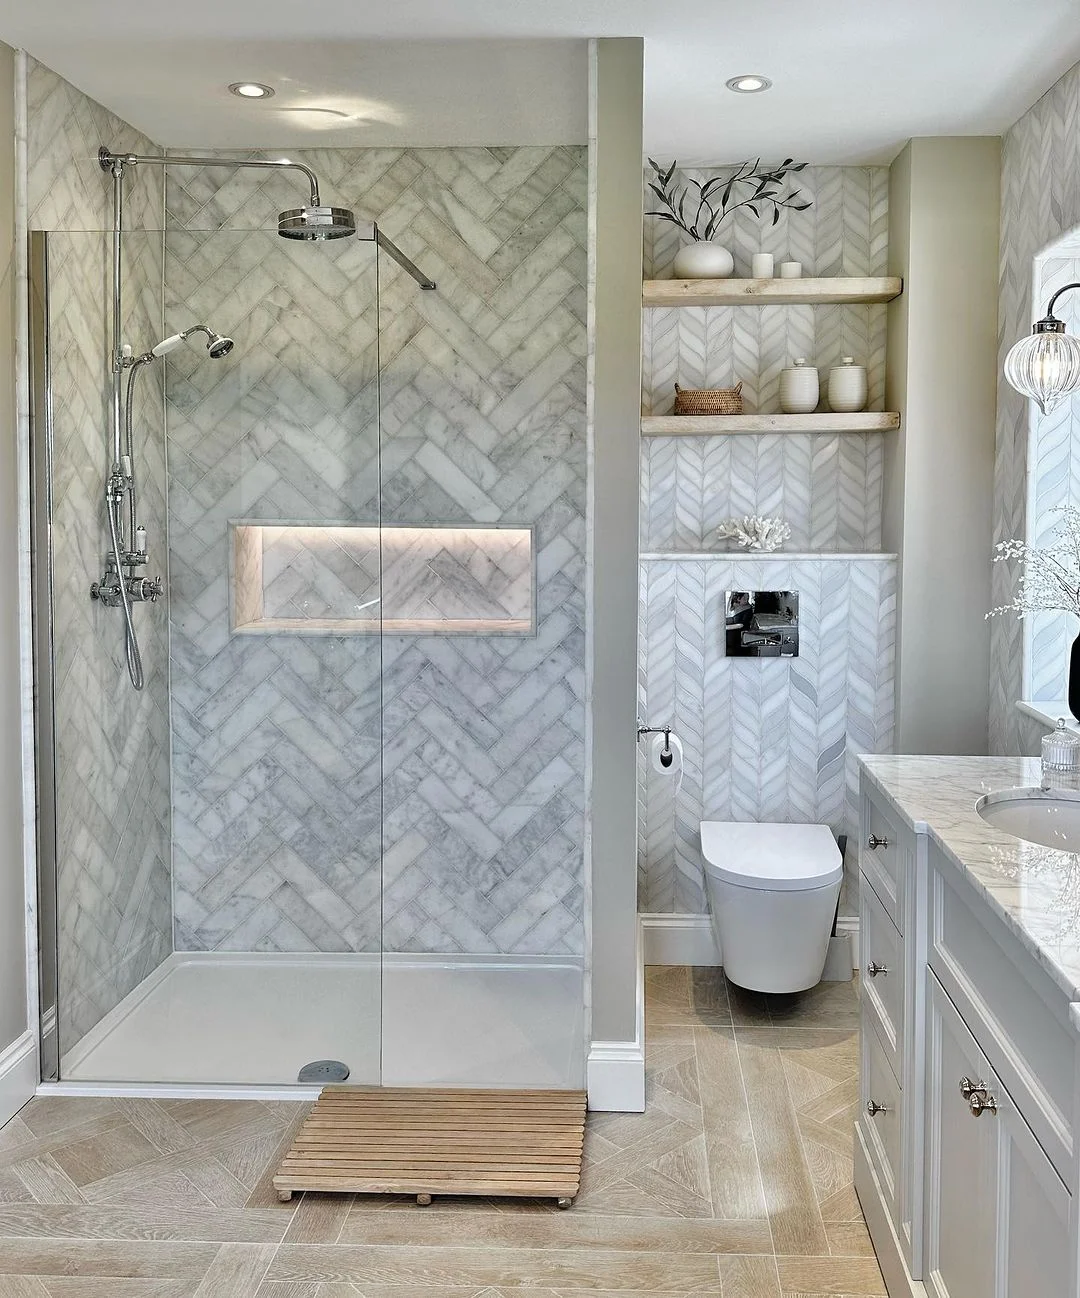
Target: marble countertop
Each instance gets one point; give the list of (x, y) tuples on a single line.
[(1035, 890)]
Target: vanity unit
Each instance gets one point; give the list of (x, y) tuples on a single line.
[(965, 1150)]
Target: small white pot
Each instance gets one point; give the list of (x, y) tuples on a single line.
[(847, 387), (799, 389), (703, 260)]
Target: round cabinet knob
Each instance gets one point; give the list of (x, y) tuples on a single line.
[(873, 842), (981, 1103), (873, 969), (874, 1109)]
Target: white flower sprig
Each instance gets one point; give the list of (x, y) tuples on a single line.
[(753, 532), (1049, 581)]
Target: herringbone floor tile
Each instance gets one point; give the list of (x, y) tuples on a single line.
[(736, 1181)]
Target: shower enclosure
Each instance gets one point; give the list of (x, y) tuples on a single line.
[(340, 820)]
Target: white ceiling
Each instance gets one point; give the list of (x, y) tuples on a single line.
[(853, 78)]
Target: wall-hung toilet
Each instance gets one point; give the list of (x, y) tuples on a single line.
[(772, 892)]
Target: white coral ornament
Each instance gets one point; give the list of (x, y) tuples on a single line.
[(753, 532)]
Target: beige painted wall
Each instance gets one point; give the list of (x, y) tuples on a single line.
[(941, 368), (13, 1005), (615, 405)]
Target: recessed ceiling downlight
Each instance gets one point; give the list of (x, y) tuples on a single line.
[(749, 83), (251, 90)]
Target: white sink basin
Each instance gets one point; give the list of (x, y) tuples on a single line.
[(1049, 818)]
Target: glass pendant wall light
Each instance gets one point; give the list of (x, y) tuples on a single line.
[(1045, 366)]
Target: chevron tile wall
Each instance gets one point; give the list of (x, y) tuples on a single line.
[(457, 762), (1054, 463), (112, 744), (763, 739), (1040, 202)]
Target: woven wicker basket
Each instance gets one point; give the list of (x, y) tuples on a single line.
[(708, 401)]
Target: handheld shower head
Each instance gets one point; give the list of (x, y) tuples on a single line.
[(314, 222), (216, 344)]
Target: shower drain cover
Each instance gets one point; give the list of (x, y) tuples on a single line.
[(323, 1071)]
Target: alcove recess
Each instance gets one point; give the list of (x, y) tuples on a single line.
[(345, 579)]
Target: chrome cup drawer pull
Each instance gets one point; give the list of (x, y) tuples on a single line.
[(874, 1109), (873, 842), (873, 969)]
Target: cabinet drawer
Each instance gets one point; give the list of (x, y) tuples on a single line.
[(881, 858), (881, 1131), (1019, 1017), (882, 976)]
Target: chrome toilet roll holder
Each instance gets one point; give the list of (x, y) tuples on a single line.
[(666, 753)]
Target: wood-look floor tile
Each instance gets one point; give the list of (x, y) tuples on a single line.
[(667, 995), (284, 1289), (835, 1005), (749, 1277), (219, 1119), (60, 1221), (14, 1132), (215, 1182), (748, 1009), (66, 1257), (790, 1195), (46, 1181), (237, 1271), (709, 996), (849, 1239), (47, 1115), (318, 1219), (22, 1286), (114, 1287), (557, 1230), (157, 1125), (41, 1145), (98, 1157), (734, 1176), (830, 1275), (263, 1193), (843, 1205), (498, 1268)]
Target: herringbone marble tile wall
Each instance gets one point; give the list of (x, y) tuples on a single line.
[(112, 744), (282, 809), (1040, 202), (66, 188), (1055, 464), (764, 740)]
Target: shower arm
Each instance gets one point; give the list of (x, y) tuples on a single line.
[(108, 161)]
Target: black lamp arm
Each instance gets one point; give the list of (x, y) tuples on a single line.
[(1050, 306)]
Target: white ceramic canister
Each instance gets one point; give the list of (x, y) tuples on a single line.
[(703, 260), (799, 389), (847, 386), (761, 265)]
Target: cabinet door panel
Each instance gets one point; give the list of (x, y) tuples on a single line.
[(961, 1163), (1033, 1208)]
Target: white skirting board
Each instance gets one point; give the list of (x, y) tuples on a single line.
[(689, 939), (615, 1070), (18, 1075)]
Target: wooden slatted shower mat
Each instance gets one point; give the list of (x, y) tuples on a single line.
[(395, 1140)]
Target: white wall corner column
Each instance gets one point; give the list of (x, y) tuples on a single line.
[(18, 988), (616, 1059), (941, 375)]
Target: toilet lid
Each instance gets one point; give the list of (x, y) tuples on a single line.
[(781, 858)]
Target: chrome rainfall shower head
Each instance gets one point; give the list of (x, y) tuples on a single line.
[(216, 344), (314, 222)]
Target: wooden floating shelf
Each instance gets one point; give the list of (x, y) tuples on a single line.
[(865, 421), (770, 292)]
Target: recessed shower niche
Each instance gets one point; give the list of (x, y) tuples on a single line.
[(341, 579)]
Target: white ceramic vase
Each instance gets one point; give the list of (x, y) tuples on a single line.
[(847, 386), (703, 260), (799, 389)]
